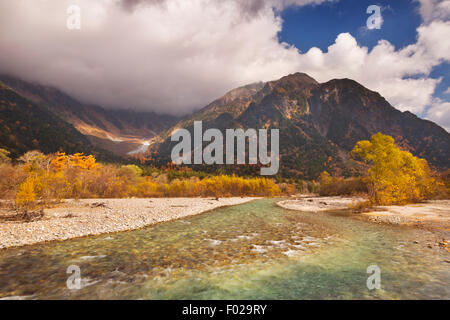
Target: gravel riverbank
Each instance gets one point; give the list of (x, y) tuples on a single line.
[(78, 218), (315, 204), (429, 215)]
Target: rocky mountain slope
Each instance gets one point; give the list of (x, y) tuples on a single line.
[(319, 123), (25, 125), (119, 131)]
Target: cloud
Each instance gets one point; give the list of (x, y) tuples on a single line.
[(432, 10), (174, 56), (249, 6), (402, 76), (169, 56), (438, 112)]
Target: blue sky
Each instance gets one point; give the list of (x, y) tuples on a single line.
[(319, 25)]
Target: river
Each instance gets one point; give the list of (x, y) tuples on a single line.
[(251, 251)]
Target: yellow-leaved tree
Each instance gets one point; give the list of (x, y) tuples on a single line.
[(395, 176), (4, 156)]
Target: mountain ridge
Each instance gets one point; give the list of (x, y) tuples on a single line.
[(26, 126), (320, 123), (120, 131)]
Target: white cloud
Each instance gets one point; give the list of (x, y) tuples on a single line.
[(447, 91), (438, 112), (176, 55), (170, 57)]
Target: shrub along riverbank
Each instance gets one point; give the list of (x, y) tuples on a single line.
[(394, 176), (45, 178)]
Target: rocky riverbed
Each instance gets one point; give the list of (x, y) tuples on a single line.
[(78, 218), (430, 214), (316, 204)]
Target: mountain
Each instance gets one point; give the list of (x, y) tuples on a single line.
[(319, 123), (25, 125), (119, 131)]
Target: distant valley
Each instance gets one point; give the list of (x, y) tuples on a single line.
[(118, 131)]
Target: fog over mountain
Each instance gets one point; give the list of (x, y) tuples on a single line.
[(176, 56)]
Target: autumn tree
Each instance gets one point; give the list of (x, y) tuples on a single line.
[(325, 178), (4, 156), (81, 161), (26, 194), (395, 176), (77, 160), (339, 186), (34, 160)]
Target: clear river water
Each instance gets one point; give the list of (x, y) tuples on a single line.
[(251, 251)]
